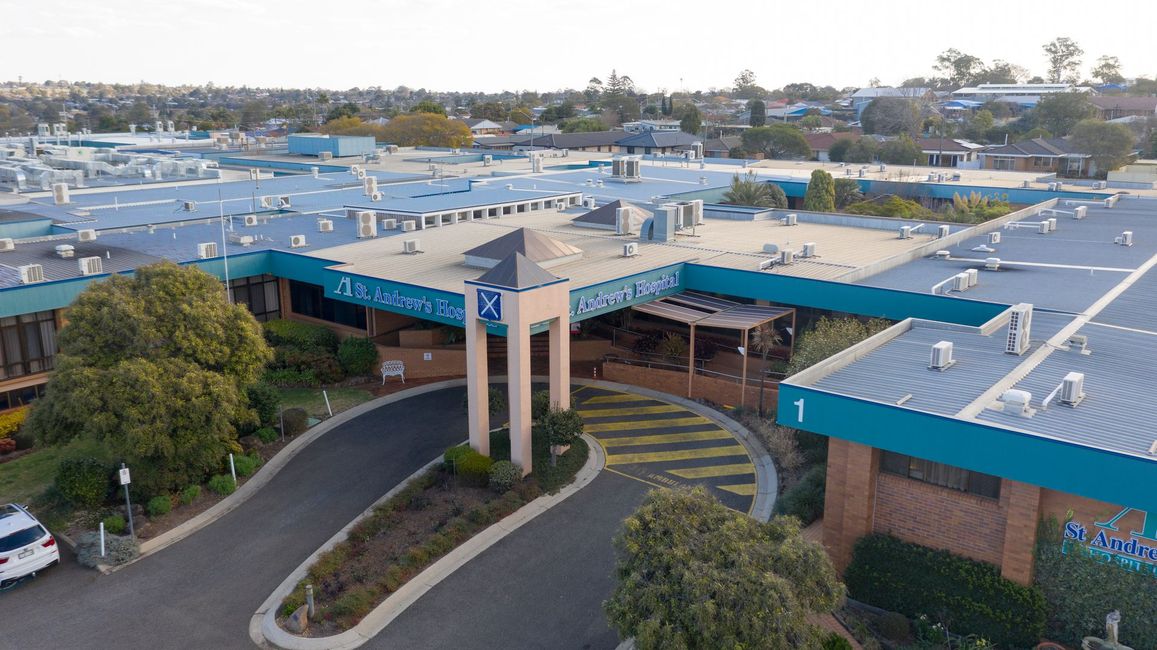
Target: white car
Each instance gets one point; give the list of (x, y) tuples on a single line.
[(25, 546)]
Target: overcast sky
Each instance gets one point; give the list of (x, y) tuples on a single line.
[(546, 44)]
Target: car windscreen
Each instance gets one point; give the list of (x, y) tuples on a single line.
[(21, 538)]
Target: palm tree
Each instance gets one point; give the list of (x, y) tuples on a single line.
[(748, 190), (763, 339)]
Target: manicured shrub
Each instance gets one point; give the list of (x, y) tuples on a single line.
[(805, 499), (222, 484), (474, 469), (358, 356), (190, 494), (894, 626), (454, 456), (496, 400), (118, 550), (266, 434), (539, 404), (246, 464), (264, 400), (969, 597), (503, 475), (561, 426), (159, 505), (1081, 589), (296, 421), (83, 481), (7, 446), (115, 524), (11, 421), (302, 335)]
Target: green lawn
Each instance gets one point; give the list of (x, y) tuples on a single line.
[(27, 477), (310, 399)]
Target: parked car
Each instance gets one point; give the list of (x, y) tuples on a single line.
[(25, 545)]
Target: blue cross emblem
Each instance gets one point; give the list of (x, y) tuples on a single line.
[(489, 305)]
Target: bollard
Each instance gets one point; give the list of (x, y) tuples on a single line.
[(232, 469), (327, 407), (309, 600), (102, 539)]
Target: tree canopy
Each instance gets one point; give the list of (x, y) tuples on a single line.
[(821, 192), (1064, 59), (901, 151), (830, 336), (758, 112), (428, 106), (690, 120), (427, 129), (776, 141), (891, 116), (1060, 112), (154, 366), (694, 574), (1110, 145), (1108, 70)]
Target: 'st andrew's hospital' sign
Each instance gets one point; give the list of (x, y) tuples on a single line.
[(1135, 551), (450, 308)]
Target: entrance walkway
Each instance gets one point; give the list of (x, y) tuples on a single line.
[(667, 445)]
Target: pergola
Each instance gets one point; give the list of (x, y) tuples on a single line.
[(700, 310)]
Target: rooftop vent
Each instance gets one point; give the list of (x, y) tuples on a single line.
[(60, 193), (1017, 402), (1019, 329), (189, 206), (1124, 239), (1080, 343), (243, 240), (943, 255), (992, 263), (65, 250), (7, 244), (942, 356)]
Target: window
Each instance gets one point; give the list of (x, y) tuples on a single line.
[(918, 469), (259, 294), (1040, 161), (20, 397), (27, 344), (310, 300), (1002, 162)]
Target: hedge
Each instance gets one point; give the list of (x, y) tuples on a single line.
[(300, 335), (1081, 589), (969, 597), (358, 356), (84, 482), (805, 500)]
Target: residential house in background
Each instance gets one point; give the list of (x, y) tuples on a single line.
[(947, 152), (642, 126), (1111, 107), (721, 147), (820, 143), (1039, 155), (660, 142)]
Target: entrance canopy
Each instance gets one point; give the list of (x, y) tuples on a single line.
[(701, 310)]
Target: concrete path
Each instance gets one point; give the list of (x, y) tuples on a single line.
[(201, 591)]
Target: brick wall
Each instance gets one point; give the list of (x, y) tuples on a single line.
[(719, 391), (850, 497), (442, 362)]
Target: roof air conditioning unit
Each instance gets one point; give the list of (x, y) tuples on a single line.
[(315, 172), (631, 249), (790, 219), (324, 225), (943, 255), (973, 277), (189, 206), (297, 241), (960, 282), (65, 251), (250, 220), (1019, 329), (943, 230), (376, 196), (786, 256), (1017, 402), (354, 169), (283, 203), (90, 265), (941, 356), (369, 185), (1025, 184), (87, 234), (905, 232), (993, 238), (1052, 221), (1080, 211), (1043, 228), (389, 224), (267, 201), (409, 226), (325, 155), (206, 250), (60, 193), (254, 175), (31, 273), (367, 224), (412, 246), (589, 201), (1124, 239), (7, 244), (766, 264), (622, 221), (487, 160), (1073, 388), (809, 249)]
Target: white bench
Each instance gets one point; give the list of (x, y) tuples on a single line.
[(393, 369)]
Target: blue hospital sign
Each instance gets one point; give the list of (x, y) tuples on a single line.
[(489, 305)]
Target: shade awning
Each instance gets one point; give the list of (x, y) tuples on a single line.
[(701, 310)]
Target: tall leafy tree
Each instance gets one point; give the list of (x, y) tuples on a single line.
[(1110, 145), (891, 116), (1064, 58), (694, 574), (901, 151), (758, 112), (821, 192), (1108, 70), (429, 106), (957, 68), (745, 86), (155, 367), (1060, 112), (777, 141), (426, 129), (690, 119)]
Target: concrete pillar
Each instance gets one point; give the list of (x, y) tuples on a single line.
[(560, 363), (1017, 558), (477, 381), (518, 376)]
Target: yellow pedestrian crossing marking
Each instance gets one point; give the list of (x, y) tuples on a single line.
[(632, 410), (601, 427), (713, 471), (663, 438), (681, 454), (615, 399), (745, 490)]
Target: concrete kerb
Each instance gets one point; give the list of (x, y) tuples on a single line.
[(766, 478), (271, 468), (263, 628)]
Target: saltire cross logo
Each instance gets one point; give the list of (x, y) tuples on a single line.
[(489, 305)]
